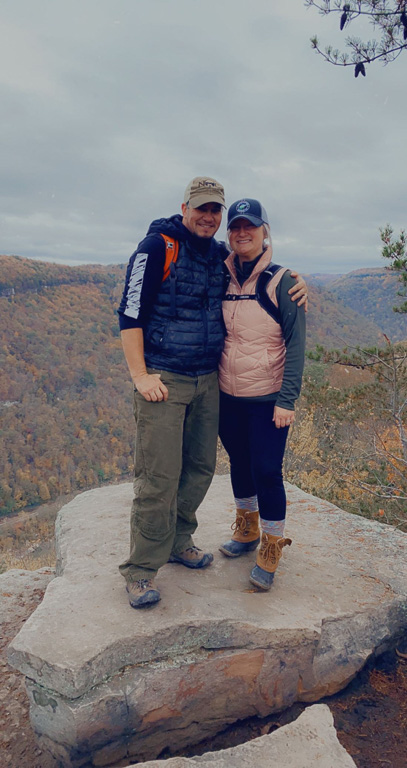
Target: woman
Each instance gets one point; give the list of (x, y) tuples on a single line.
[(260, 379)]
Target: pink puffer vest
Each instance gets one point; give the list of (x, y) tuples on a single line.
[(252, 363)]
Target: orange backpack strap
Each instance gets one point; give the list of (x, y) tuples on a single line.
[(171, 253)]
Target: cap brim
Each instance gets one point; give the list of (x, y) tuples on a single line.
[(253, 220), (202, 199)]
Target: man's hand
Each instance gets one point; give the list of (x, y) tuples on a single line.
[(148, 384), (299, 291), (151, 387), (282, 417)]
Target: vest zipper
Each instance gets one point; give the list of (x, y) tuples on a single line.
[(204, 310)]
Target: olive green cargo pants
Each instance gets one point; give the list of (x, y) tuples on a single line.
[(175, 458)]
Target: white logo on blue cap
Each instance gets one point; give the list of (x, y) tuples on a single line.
[(243, 206)]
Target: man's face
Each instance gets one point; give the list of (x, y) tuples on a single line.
[(203, 221)]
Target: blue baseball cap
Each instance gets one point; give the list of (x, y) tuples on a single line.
[(249, 209)]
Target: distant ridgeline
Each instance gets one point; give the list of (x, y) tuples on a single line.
[(65, 392), (18, 275)]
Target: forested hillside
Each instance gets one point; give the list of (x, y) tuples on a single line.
[(65, 393), (331, 323), (373, 292)]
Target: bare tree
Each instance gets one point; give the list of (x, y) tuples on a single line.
[(388, 19)]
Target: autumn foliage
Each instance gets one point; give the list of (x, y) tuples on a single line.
[(66, 421), (350, 443)]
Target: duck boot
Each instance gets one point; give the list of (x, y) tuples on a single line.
[(268, 557), (246, 534)]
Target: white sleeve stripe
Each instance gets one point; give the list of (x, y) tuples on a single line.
[(132, 308), (131, 313)]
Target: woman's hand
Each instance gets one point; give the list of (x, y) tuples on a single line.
[(299, 291), (151, 387), (282, 417)]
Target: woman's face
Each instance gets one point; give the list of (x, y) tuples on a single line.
[(245, 239)]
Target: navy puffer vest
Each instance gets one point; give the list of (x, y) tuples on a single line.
[(185, 331)]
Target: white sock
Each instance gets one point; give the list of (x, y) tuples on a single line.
[(272, 527), (250, 503)]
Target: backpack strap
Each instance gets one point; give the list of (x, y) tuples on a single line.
[(261, 292), (171, 254)]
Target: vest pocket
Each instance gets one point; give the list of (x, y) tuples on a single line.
[(266, 363), (155, 338)]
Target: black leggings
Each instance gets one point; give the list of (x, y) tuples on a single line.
[(256, 451)]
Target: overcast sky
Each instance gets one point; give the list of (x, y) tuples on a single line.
[(110, 107)]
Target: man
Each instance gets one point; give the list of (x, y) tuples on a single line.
[(172, 333)]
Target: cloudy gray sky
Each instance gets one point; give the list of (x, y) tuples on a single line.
[(110, 107)]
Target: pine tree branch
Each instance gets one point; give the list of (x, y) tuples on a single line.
[(387, 16), (394, 52)]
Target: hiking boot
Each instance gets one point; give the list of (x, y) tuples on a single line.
[(268, 557), (142, 593), (192, 557), (260, 578), (246, 534)]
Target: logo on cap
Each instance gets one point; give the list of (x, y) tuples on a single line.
[(203, 189), (243, 206)]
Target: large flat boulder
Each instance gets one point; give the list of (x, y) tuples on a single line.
[(308, 742), (106, 682)]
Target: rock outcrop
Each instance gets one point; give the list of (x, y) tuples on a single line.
[(107, 682), (308, 742)]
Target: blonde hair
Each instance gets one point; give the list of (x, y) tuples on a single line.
[(267, 235)]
